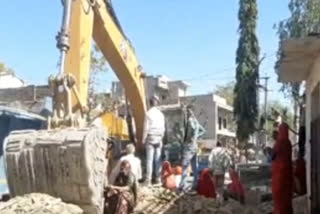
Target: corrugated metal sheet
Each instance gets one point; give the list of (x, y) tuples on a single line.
[(18, 113)]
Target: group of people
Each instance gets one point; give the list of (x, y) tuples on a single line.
[(121, 193), (154, 131)]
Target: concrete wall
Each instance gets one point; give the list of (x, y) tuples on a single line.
[(30, 98), (117, 91), (312, 81), (28, 93), (168, 91)]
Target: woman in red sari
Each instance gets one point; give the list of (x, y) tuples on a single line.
[(168, 176), (282, 172), (236, 189), (206, 185), (300, 177)]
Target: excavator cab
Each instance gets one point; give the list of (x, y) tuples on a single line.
[(68, 160)]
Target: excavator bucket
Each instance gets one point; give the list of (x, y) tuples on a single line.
[(67, 163)]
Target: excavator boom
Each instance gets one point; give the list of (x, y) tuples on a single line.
[(69, 160), (98, 21)]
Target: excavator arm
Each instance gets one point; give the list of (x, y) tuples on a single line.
[(68, 160), (97, 20)]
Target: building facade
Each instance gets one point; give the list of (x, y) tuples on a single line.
[(211, 110), (168, 91), (301, 63)]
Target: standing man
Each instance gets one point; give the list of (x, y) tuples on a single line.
[(220, 162), (193, 131), (153, 133)]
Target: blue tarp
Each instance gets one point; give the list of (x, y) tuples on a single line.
[(3, 181), (10, 120)]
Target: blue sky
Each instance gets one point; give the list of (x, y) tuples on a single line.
[(194, 41)]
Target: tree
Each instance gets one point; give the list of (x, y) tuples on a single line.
[(98, 65), (304, 19), (226, 91), (283, 110), (247, 72), (5, 69)]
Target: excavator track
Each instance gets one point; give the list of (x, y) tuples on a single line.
[(67, 163)]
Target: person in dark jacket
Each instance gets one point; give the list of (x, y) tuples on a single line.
[(193, 131)]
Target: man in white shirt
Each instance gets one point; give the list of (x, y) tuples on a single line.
[(154, 129), (135, 164), (219, 162)]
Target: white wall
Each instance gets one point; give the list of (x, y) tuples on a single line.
[(168, 91), (10, 81), (312, 81)]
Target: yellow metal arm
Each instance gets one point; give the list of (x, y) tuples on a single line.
[(93, 19)]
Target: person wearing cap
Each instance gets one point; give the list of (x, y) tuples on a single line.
[(193, 130), (153, 133), (134, 162)]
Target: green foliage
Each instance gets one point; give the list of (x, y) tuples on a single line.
[(98, 66), (98, 62), (283, 110), (226, 91), (247, 71), (304, 19), (5, 69)]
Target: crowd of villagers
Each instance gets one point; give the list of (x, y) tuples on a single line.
[(288, 178)]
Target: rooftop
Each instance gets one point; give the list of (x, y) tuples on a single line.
[(20, 113), (298, 56)]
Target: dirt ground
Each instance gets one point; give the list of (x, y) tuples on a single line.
[(152, 200)]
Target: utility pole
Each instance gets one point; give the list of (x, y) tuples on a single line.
[(265, 88)]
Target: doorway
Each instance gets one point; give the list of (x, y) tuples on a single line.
[(315, 150)]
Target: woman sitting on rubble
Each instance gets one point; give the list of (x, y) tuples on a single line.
[(121, 198), (206, 184)]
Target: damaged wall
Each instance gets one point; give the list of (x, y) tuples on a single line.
[(30, 98)]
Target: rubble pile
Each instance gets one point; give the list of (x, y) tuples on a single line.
[(154, 200), (299, 204), (266, 207), (37, 203)]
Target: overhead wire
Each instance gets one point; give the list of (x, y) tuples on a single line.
[(206, 75)]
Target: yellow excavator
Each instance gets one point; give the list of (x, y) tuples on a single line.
[(68, 159)]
